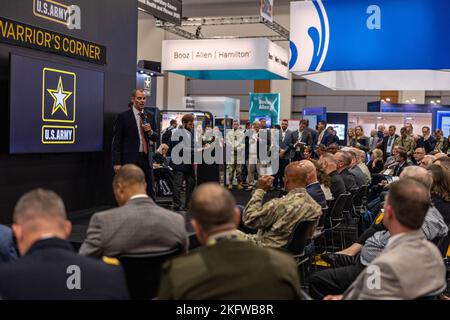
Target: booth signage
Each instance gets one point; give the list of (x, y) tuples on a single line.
[(167, 10), (226, 59), (69, 15), (337, 35), (265, 105), (20, 34)]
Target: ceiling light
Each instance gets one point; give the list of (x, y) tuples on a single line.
[(409, 118), (388, 99), (379, 118), (432, 102), (438, 101), (413, 100), (407, 101), (382, 100)]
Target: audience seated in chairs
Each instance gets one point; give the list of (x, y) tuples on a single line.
[(138, 225), (324, 180), (347, 264), (225, 267), (8, 250), (313, 186), (376, 164), (410, 267), (49, 269), (440, 190), (329, 163), (344, 162), (275, 220), (360, 178), (162, 171)]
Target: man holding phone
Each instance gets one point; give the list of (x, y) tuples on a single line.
[(300, 139)]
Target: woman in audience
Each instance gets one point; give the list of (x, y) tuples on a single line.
[(307, 153), (362, 142), (351, 139), (376, 165), (324, 180), (440, 190), (161, 168)]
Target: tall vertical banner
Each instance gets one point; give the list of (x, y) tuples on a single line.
[(266, 9), (346, 35), (265, 105)]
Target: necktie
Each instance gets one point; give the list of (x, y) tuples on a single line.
[(143, 140)]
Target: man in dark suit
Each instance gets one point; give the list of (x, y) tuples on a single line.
[(344, 161), (312, 184), (401, 158), (360, 178), (314, 133), (427, 141), (133, 130), (285, 137), (389, 142), (228, 266), (324, 135), (49, 269), (182, 161), (138, 225), (328, 162), (300, 139)]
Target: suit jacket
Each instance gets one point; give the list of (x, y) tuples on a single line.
[(410, 267), (327, 139), (337, 184), (186, 151), (285, 143), (7, 248), (306, 138), (44, 273), (230, 269), (314, 135), (360, 177), (140, 226), (349, 180), (126, 142), (399, 169), (385, 144), (315, 191), (428, 144)]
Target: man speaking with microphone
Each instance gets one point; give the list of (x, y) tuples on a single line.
[(133, 130)]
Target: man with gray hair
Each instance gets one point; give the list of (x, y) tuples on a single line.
[(349, 263), (49, 269), (427, 161), (344, 162), (138, 225), (360, 178)]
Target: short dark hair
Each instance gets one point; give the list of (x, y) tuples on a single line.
[(39, 203), (392, 127), (285, 120), (212, 205), (404, 129), (304, 121), (188, 118), (410, 201), (129, 174), (403, 154), (323, 122), (133, 93), (173, 121)]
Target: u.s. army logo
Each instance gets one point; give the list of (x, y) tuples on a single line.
[(58, 105)]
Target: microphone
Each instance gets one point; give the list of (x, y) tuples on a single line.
[(143, 117)]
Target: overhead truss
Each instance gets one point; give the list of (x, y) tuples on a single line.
[(282, 34)]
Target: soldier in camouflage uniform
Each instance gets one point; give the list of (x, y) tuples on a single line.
[(406, 142), (236, 143), (276, 219)]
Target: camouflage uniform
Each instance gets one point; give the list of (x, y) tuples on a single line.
[(408, 143), (236, 143), (275, 220)]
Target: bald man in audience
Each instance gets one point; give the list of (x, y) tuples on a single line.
[(138, 225), (329, 164), (49, 268), (312, 184), (228, 266), (276, 219)]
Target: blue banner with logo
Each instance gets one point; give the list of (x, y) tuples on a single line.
[(265, 105), (337, 35)]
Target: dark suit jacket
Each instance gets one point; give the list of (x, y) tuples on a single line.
[(284, 144), (337, 184), (360, 177), (230, 269), (385, 143), (349, 180), (314, 135), (306, 138), (327, 139), (428, 145), (43, 274), (316, 192), (179, 135), (139, 226), (125, 145), (399, 168)]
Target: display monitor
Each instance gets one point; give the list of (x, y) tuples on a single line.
[(54, 108), (340, 130)]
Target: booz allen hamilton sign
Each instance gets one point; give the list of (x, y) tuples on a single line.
[(166, 10)]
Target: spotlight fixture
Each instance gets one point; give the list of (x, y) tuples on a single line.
[(413, 100), (438, 101), (388, 99)]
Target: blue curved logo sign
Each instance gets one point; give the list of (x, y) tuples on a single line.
[(310, 36)]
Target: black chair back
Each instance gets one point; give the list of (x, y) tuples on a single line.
[(339, 206), (302, 231), (359, 196), (143, 272)]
